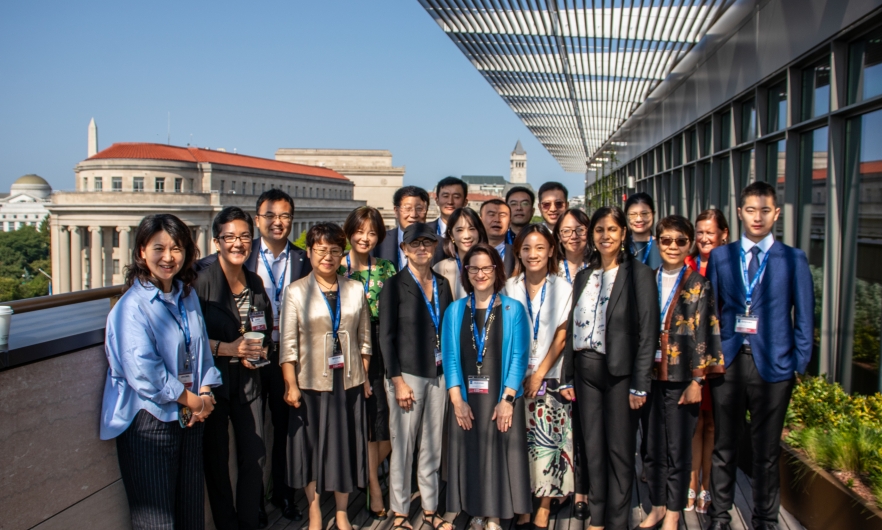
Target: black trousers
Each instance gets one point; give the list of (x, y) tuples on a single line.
[(247, 420), (273, 395), (739, 390), (669, 445), (580, 456), (161, 468), (609, 429)]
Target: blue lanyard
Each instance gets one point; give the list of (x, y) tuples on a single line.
[(349, 273), (698, 263), (567, 270), (530, 306), (509, 237), (664, 309), (482, 338), (458, 262), (183, 325), (269, 270), (748, 285), (646, 249), (438, 227), (335, 315), (434, 312), (502, 254)]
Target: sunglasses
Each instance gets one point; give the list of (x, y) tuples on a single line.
[(557, 204), (667, 241)]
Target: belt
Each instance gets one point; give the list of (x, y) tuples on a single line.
[(745, 349)]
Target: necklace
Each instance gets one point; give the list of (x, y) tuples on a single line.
[(327, 287)]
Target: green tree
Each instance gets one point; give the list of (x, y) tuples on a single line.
[(22, 252)]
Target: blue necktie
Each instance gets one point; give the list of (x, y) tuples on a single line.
[(754, 264)]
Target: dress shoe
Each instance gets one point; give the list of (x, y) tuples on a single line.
[(290, 510), (262, 519), (719, 525), (580, 511), (766, 526)]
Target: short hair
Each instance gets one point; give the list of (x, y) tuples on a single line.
[(640, 198), (358, 216), (452, 181), (473, 218), (618, 216), (759, 189), (678, 223), (329, 233), (494, 201), (179, 232), (521, 189), (483, 248), (581, 218), (409, 191), (551, 186), (228, 215), (541, 229), (273, 195)]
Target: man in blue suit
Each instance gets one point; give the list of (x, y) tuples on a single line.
[(766, 303)]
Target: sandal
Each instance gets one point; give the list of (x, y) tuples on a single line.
[(400, 524), (690, 503), (432, 518), (476, 523), (492, 526), (704, 501)]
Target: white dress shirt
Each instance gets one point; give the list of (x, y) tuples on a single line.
[(765, 244), (552, 313), (281, 268)]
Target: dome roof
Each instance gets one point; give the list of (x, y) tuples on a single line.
[(32, 179), (33, 185)]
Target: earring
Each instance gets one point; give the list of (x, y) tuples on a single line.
[(623, 246)]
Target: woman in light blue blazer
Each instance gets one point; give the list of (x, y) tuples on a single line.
[(485, 344)]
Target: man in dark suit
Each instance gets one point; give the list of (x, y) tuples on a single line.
[(496, 216), (520, 199), (765, 298), (450, 193), (411, 205)]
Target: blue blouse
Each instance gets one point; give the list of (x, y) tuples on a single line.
[(146, 351)]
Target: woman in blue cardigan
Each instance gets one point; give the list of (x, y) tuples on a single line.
[(485, 344)]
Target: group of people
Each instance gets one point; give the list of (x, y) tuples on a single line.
[(513, 360)]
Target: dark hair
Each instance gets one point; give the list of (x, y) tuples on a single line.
[(551, 186), (409, 191), (473, 218), (358, 216), (228, 215), (618, 217), (494, 201), (637, 198), (179, 232), (273, 195), (329, 233), (678, 223), (452, 181), (542, 230), (521, 189), (581, 218), (759, 189), (483, 248)]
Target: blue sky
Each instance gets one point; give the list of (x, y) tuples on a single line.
[(252, 76)]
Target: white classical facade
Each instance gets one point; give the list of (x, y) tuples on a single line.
[(93, 227), (26, 203)]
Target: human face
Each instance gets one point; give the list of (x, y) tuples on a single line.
[(481, 281), (496, 218), (464, 235), (325, 257), (164, 258), (708, 236), (535, 253), (234, 252), (639, 219), (279, 227), (673, 254), (521, 209), (608, 237), (365, 238), (411, 210), (449, 198), (552, 205), (573, 242), (420, 251), (758, 215)]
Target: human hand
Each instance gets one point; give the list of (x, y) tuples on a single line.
[(463, 414), (568, 394), (636, 401), (403, 394), (691, 395), (368, 390), (502, 415), (292, 396)]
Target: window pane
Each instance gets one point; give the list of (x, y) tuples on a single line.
[(706, 130), (726, 130), (748, 169), (776, 159), (707, 187), (865, 68), (816, 90), (748, 121), (692, 147), (812, 217), (675, 203), (778, 107), (725, 183)]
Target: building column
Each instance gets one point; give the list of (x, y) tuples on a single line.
[(63, 260), (202, 241), (55, 254), (125, 250), (76, 258), (96, 278)]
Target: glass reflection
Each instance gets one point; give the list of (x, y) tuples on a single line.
[(776, 160), (777, 107), (813, 217), (816, 90)]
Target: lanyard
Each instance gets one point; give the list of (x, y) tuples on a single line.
[(183, 325), (509, 237), (502, 252), (438, 227), (664, 309), (698, 263), (458, 262), (349, 273), (748, 285), (647, 248), (481, 339), (535, 320), (434, 312), (335, 315), (269, 270), (567, 270)]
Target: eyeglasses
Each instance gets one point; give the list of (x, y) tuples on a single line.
[(568, 232), (283, 217), (230, 238), (473, 271), (335, 252), (640, 215), (410, 209), (548, 204), (522, 204), (425, 243), (667, 241)]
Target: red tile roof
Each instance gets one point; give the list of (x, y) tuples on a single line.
[(482, 197), (147, 151)]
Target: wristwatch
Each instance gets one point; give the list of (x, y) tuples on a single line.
[(509, 398), (699, 380), (209, 393)]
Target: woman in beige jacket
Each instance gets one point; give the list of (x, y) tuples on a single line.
[(325, 351)]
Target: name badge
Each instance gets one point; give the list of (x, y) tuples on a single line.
[(335, 361), (533, 363), (746, 324), (658, 356), (258, 321), (437, 357), (479, 384), (186, 379)]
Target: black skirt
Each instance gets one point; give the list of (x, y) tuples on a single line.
[(488, 472), (377, 406), (327, 439)]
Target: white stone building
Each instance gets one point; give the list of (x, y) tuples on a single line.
[(26, 203)]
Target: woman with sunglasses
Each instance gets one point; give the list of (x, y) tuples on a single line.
[(486, 346), (546, 297), (364, 230), (689, 350), (640, 209), (234, 302), (464, 230), (711, 231), (612, 334), (325, 352)]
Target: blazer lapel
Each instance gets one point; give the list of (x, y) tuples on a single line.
[(224, 296), (734, 269), (624, 275)]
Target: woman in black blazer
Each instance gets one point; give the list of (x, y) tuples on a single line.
[(612, 335), (233, 302)]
